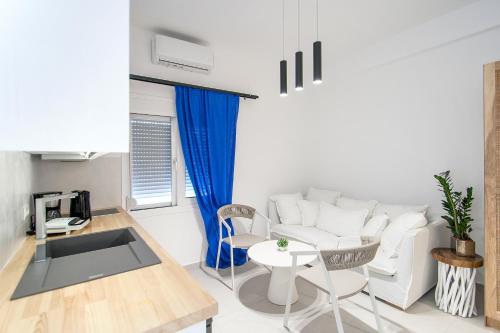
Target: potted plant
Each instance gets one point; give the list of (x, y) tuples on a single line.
[(458, 214), (282, 244)]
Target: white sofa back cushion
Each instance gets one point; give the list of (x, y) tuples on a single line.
[(339, 221), (392, 236), (394, 211), (288, 207), (355, 204), (314, 194), (375, 226), (309, 211)]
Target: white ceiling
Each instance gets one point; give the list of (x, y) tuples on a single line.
[(345, 25)]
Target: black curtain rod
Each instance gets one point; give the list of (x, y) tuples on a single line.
[(173, 83)]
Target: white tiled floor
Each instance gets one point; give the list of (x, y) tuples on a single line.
[(248, 310)]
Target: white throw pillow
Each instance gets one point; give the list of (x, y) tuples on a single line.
[(354, 204), (339, 221), (309, 211), (394, 211), (314, 194), (393, 235), (375, 226), (288, 208)]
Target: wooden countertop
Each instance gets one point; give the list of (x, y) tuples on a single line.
[(159, 298)]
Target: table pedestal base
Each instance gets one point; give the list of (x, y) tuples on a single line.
[(456, 290), (278, 286)]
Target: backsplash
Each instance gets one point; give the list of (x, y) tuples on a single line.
[(16, 185), (101, 176)]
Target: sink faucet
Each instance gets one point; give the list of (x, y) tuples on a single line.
[(41, 227)]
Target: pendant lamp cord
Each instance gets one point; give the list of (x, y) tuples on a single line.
[(298, 24), (317, 20), (283, 21)]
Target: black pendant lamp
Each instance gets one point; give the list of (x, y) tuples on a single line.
[(283, 78), (317, 75), (299, 77)]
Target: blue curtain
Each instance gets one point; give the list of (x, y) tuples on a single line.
[(207, 127)]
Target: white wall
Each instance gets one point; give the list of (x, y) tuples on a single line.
[(389, 118), (64, 75), (16, 178), (269, 135)]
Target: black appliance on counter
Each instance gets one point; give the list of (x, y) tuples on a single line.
[(80, 205), (53, 208)]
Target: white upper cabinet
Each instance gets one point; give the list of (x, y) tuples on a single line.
[(64, 69)]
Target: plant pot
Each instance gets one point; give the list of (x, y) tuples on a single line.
[(453, 242), (282, 249), (465, 248)]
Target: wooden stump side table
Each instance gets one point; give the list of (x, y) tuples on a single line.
[(456, 286)]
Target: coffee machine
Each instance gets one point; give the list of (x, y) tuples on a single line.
[(80, 205)]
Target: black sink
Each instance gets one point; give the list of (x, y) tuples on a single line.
[(82, 258), (86, 243)]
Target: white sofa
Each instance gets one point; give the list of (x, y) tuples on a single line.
[(400, 281)]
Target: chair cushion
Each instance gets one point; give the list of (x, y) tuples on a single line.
[(355, 204), (315, 194), (244, 241), (288, 208), (381, 264), (345, 282), (339, 221), (309, 211)]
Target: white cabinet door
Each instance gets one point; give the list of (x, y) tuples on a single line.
[(64, 75)]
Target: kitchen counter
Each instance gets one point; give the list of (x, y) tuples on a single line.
[(159, 298)]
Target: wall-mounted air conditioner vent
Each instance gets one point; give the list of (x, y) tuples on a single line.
[(183, 55)]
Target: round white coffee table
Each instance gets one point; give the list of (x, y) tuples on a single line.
[(267, 253)]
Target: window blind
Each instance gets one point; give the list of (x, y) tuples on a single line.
[(151, 160)]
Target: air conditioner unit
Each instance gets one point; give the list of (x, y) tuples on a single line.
[(180, 54)]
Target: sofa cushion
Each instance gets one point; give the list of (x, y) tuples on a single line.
[(393, 235), (375, 226), (309, 212), (355, 204), (339, 221), (381, 264), (318, 195), (394, 211), (349, 241), (311, 235), (288, 208)]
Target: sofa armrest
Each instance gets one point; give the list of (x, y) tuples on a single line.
[(416, 270)]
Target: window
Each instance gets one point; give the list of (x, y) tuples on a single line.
[(189, 186), (151, 161), (153, 164)]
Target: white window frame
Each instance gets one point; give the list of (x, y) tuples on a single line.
[(173, 201), (181, 169), (153, 100)]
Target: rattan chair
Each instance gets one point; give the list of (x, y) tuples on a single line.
[(333, 275), (241, 241)]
